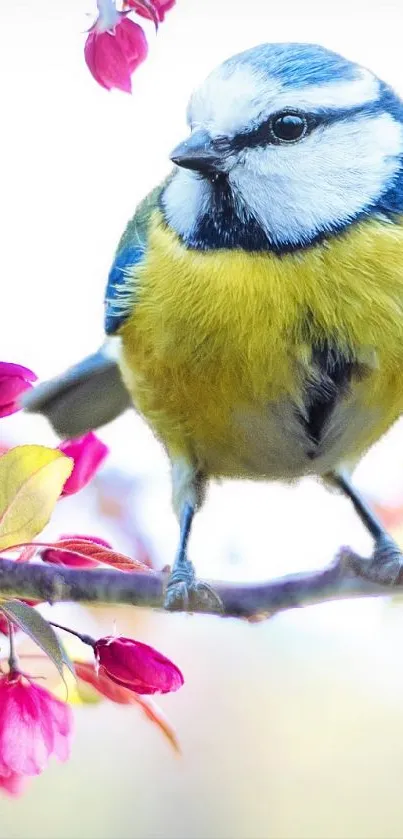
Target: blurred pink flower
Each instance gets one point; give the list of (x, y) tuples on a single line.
[(137, 666), (13, 783), (114, 48), (14, 380), (88, 453), (159, 7), (74, 560), (33, 726)]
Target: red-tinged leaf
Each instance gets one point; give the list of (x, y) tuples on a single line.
[(27, 553), (97, 677), (148, 9), (156, 716), (99, 680), (86, 549)]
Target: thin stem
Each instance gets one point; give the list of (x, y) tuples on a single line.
[(86, 639), (108, 15), (12, 658)]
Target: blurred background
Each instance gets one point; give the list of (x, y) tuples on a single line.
[(291, 728)]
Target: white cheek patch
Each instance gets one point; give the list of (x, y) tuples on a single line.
[(296, 192), (300, 190), (233, 101), (185, 200)]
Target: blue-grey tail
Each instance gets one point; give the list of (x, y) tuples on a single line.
[(85, 397)]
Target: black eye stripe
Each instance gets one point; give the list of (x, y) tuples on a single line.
[(262, 135)]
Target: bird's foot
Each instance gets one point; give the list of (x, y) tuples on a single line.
[(186, 593), (385, 566)]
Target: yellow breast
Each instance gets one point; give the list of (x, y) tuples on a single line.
[(222, 335)]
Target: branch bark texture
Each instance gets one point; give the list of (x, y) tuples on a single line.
[(340, 580)]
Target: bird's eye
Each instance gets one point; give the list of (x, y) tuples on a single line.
[(288, 127)]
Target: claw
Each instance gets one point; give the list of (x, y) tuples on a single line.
[(205, 599), (185, 593), (177, 597), (386, 564)]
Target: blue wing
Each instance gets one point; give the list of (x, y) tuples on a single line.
[(120, 295), (120, 290)]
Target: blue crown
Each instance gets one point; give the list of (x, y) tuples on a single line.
[(296, 65)]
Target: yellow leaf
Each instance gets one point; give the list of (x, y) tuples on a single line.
[(31, 480)]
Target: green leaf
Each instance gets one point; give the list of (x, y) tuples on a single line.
[(34, 625)]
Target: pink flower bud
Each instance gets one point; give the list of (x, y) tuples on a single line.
[(137, 666), (33, 726), (160, 7), (74, 560), (113, 50), (14, 380), (88, 453)]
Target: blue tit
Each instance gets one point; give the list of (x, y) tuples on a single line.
[(255, 304)]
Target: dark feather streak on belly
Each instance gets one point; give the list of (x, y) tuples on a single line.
[(330, 381)]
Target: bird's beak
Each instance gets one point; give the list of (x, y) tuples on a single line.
[(198, 153)]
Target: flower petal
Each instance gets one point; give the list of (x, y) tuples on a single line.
[(90, 53), (24, 746), (14, 380), (88, 453), (8, 368), (107, 62), (13, 784), (33, 725), (132, 41)]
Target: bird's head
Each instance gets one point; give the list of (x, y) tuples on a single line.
[(289, 143)]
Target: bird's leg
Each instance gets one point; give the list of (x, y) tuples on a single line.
[(183, 589), (182, 577), (385, 566)]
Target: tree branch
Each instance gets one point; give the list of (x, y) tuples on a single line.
[(340, 580)]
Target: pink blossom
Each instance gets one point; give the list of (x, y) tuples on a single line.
[(14, 380), (160, 8), (88, 453), (33, 726), (13, 784), (74, 560), (137, 666), (114, 48)]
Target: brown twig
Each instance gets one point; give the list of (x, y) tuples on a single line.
[(340, 580)]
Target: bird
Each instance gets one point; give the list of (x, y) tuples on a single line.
[(254, 307)]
